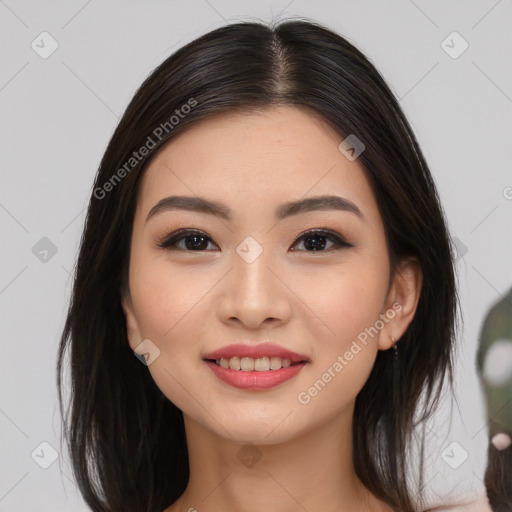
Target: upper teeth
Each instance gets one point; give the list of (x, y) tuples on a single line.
[(248, 364)]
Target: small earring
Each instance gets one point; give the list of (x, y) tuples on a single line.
[(395, 347)]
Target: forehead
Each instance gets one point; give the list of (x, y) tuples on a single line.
[(252, 160)]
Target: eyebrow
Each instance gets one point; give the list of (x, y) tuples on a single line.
[(210, 207)]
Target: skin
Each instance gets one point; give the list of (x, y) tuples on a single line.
[(190, 302)]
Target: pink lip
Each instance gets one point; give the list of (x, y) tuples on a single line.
[(255, 380), (256, 351)]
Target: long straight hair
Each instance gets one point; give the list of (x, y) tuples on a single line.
[(126, 439)]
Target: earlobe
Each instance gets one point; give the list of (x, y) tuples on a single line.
[(402, 301), (132, 326)]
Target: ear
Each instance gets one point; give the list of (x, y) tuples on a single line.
[(401, 302), (132, 326)]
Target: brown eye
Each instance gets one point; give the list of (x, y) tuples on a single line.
[(194, 240), (317, 239)]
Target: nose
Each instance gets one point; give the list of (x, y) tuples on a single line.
[(254, 294)]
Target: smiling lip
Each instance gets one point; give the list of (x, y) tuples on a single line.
[(255, 380), (256, 351)]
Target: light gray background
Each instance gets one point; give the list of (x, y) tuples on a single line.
[(57, 114)]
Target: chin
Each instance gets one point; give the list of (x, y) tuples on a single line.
[(251, 432)]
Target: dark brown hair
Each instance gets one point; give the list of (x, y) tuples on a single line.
[(126, 439)]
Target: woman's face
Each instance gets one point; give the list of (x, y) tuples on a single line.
[(249, 278)]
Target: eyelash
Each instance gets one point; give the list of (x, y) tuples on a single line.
[(169, 243)]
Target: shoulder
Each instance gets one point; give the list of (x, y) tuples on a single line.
[(481, 505)]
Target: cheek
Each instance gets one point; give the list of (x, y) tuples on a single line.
[(166, 299), (349, 307), (345, 353), (167, 303), (350, 301)]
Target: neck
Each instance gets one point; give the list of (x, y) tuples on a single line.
[(312, 472)]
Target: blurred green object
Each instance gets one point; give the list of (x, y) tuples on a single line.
[(494, 362)]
